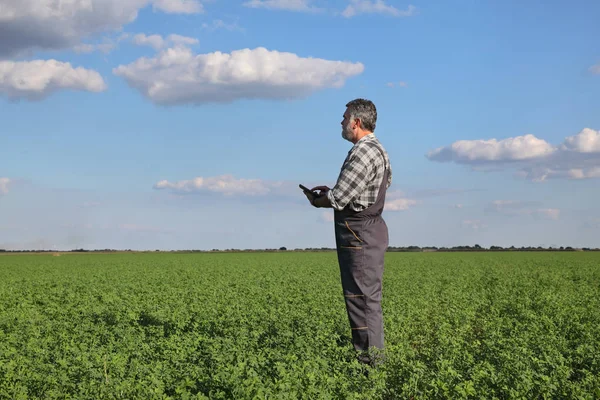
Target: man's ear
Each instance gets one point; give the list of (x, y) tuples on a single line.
[(358, 123)]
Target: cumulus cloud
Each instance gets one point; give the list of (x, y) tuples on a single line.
[(35, 80), (578, 157), (224, 184), (586, 141), (288, 5), (177, 76), (376, 7), (158, 42), (521, 208), (511, 149), (4, 183), (53, 25)]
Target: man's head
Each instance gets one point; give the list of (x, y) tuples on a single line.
[(359, 120)]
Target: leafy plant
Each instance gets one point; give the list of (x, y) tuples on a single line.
[(274, 326)]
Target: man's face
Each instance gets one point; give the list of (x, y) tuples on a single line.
[(348, 127)]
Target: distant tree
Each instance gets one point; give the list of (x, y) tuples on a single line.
[(283, 248)]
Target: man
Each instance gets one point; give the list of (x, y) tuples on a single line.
[(361, 234)]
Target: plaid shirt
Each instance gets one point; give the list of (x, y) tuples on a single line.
[(361, 174)]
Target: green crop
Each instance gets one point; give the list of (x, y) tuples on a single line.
[(274, 326)]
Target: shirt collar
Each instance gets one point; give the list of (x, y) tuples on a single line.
[(370, 136)]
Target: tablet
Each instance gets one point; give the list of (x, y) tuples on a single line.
[(308, 190)]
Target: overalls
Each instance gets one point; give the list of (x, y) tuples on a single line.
[(361, 241)]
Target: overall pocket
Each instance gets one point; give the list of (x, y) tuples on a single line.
[(348, 235)]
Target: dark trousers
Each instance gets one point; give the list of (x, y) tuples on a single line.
[(360, 257)]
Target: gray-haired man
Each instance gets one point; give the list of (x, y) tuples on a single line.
[(361, 234)]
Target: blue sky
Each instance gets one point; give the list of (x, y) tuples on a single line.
[(177, 124)]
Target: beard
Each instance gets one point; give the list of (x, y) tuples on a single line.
[(347, 133)]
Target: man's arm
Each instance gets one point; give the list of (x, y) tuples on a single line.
[(351, 183), (322, 202)]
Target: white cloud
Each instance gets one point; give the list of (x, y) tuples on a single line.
[(522, 208), (505, 205), (288, 5), (183, 40), (511, 149), (595, 69), (581, 173), (544, 173), (158, 42), (224, 184), (108, 44), (458, 206), (177, 76), (376, 7), (34, 80), (90, 48), (586, 141), (52, 24), (4, 183), (179, 6), (398, 201), (155, 41), (84, 48), (220, 24), (399, 204), (578, 157)]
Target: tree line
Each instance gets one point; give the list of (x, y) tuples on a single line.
[(474, 248)]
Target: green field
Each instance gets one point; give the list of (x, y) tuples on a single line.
[(273, 326)]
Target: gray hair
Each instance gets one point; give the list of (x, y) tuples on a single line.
[(365, 111)]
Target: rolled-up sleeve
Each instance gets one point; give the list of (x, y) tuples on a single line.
[(351, 182)]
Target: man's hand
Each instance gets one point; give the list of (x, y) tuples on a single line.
[(321, 201), (322, 189), (311, 197)]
